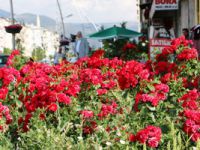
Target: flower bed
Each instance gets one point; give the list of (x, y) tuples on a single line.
[(100, 103)]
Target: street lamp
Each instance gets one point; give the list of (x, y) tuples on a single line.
[(61, 16), (13, 22), (70, 15)]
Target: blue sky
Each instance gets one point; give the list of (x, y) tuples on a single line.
[(82, 10)]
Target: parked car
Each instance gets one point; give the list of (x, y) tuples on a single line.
[(3, 60)]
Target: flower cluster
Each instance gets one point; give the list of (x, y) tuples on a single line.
[(98, 54), (156, 94), (87, 114), (108, 109), (151, 136), (97, 95), (4, 111), (11, 57), (129, 46), (179, 48), (190, 103), (131, 73)]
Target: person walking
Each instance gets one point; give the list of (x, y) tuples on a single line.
[(196, 37), (58, 56), (81, 46)]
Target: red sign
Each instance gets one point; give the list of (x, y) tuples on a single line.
[(156, 47), (160, 42), (165, 2)]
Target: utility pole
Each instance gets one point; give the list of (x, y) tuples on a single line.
[(61, 16), (13, 22)]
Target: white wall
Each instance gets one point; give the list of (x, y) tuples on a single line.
[(31, 37)]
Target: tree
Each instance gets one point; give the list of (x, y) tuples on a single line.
[(7, 51), (19, 46), (123, 24), (113, 47), (38, 54)]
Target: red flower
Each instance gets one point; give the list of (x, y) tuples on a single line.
[(12, 56), (87, 114), (42, 117), (190, 99), (132, 138), (162, 88), (128, 46), (90, 128), (151, 135), (192, 129), (3, 93), (187, 54), (98, 54), (53, 107), (101, 91), (63, 98)]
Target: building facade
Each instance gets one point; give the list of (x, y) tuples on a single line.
[(30, 37), (163, 20), (176, 14)]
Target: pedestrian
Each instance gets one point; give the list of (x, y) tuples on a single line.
[(185, 32), (81, 46), (196, 37), (58, 56)]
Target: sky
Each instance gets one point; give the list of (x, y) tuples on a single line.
[(81, 10)]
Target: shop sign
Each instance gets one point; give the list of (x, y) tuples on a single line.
[(156, 47), (166, 4)]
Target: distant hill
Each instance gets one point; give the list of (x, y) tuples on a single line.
[(51, 24), (4, 14), (70, 28), (28, 18)]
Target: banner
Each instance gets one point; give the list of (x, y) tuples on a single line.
[(163, 5), (166, 4), (156, 47)]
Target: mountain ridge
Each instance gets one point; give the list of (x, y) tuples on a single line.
[(51, 24)]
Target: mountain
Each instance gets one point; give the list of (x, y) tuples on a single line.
[(4, 14), (70, 28), (51, 24), (28, 18)]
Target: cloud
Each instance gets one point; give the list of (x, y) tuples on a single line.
[(96, 10)]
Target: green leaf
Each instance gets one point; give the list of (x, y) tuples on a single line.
[(19, 103), (151, 108), (153, 117), (150, 87)]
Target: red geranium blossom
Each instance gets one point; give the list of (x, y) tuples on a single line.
[(87, 114), (53, 107), (151, 136)]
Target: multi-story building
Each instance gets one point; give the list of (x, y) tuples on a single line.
[(5, 39), (176, 14), (30, 37), (138, 14), (163, 20)]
